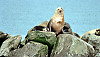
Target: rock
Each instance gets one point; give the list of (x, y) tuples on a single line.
[(92, 39), (9, 44), (40, 27), (3, 37), (44, 24), (90, 32), (47, 38), (71, 46), (85, 38), (31, 49), (97, 32), (97, 55), (75, 34), (67, 29)]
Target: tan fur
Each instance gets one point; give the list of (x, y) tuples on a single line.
[(57, 20)]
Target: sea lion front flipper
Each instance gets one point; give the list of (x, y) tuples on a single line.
[(50, 25)]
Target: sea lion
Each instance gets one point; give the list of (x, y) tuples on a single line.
[(56, 22)]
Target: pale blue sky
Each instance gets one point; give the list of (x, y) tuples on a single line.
[(17, 17)]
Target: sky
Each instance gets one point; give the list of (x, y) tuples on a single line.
[(17, 17)]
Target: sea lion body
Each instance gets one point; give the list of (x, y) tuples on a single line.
[(56, 23)]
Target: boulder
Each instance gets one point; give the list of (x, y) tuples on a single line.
[(75, 34), (46, 38), (44, 24), (90, 32), (97, 32), (93, 39), (3, 37), (9, 44), (31, 49), (72, 46), (41, 27), (66, 29), (97, 55)]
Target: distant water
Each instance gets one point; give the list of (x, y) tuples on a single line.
[(17, 17)]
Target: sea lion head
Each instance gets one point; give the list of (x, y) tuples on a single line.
[(59, 11)]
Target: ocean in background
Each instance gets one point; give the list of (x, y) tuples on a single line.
[(17, 17)]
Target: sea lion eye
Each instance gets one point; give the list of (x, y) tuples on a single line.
[(61, 8), (58, 9)]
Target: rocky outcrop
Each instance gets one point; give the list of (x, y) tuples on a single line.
[(75, 34), (93, 38), (71, 46), (31, 49), (46, 38), (43, 27), (97, 55), (3, 37), (41, 43), (64, 45), (9, 44)]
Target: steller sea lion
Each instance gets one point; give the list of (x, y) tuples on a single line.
[(56, 23)]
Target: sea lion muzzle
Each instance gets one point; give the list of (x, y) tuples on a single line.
[(60, 11)]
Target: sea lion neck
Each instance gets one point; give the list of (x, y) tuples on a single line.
[(56, 14)]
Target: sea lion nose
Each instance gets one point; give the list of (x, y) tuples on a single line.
[(60, 11)]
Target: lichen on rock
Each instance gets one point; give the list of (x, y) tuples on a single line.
[(31, 49), (71, 46), (92, 39), (9, 44)]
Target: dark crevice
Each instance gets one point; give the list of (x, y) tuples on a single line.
[(49, 50), (2, 40)]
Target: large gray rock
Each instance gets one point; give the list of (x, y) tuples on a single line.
[(75, 34), (3, 37), (47, 38), (9, 44), (71, 46), (97, 55), (41, 27), (94, 40), (31, 49)]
